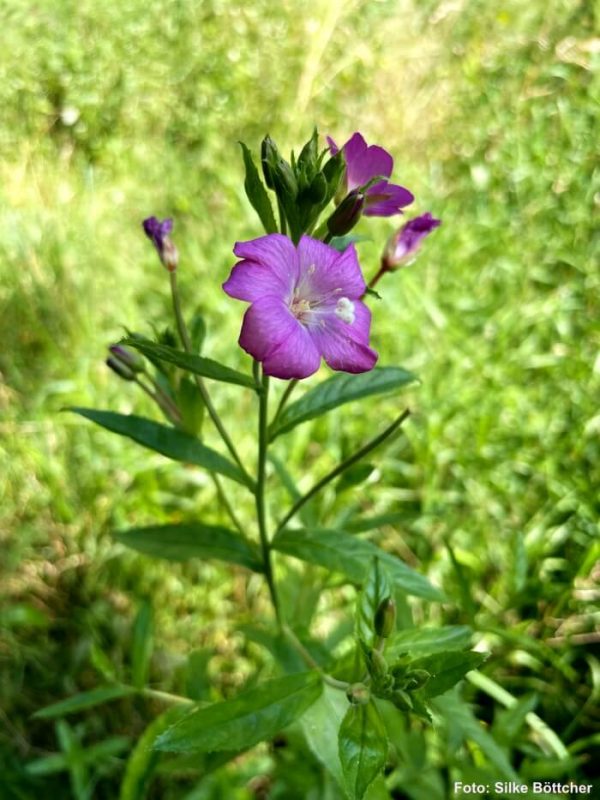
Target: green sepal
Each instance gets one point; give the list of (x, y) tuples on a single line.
[(256, 192)]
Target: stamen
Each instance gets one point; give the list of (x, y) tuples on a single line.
[(344, 309)]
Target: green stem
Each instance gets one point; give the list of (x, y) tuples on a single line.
[(377, 277), (226, 504), (342, 467), (284, 398), (297, 644), (263, 410), (165, 404), (187, 346)]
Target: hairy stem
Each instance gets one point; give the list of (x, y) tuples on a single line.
[(342, 467), (261, 516)]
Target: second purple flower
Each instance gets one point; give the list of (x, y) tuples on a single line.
[(305, 305)]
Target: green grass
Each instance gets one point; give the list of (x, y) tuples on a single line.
[(489, 111)]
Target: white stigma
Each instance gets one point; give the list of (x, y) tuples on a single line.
[(344, 309)]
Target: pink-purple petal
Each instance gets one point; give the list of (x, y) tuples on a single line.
[(342, 278), (250, 281), (296, 357), (267, 324), (386, 199), (341, 347), (274, 251), (373, 162)]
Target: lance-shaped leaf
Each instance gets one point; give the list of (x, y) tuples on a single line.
[(165, 440), (446, 669), (205, 367), (337, 551), (84, 700), (252, 717), (424, 641), (362, 747), (375, 590), (192, 540), (257, 193), (337, 390), (142, 643)]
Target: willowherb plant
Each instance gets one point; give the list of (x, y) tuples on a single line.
[(308, 301)]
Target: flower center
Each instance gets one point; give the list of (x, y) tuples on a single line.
[(300, 308)]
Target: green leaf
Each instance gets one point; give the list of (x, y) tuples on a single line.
[(341, 243), (80, 702), (143, 760), (446, 669), (320, 725), (337, 390), (192, 540), (362, 748), (375, 589), (423, 641), (205, 367), (142, 644), (460, 718), (353, 476), (167, 441), (353, 556), (378, 521), (256, 192), (191, 406), (252, 717)]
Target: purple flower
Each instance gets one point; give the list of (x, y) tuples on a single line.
[(363, 163), (403, 245), (305, 304), (158, 233)]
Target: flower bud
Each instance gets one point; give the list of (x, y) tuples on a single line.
[(401, 700), (416, 679), (122, 370), (358, 694), (318, 188), (385, 618), (128, 357), (347, 214), (269, 155), (404, 244), (158, 233), (378, 664)]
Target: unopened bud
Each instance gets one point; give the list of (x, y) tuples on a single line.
[(401, 700), (346, 215), (269, 155), (385, 618), (404, 244), (158, 232), (378, 664), (130, 358), (416, 679), (318, 188), (358, 694), (122, 370)]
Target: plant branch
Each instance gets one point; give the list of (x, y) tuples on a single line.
[(263, 410), (187, 345), (342, 467), (297, 644), (226, 504), (284, 398)]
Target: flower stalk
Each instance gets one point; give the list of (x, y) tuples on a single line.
[(263, 410)]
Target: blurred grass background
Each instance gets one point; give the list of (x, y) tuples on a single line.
[(115, 111)]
